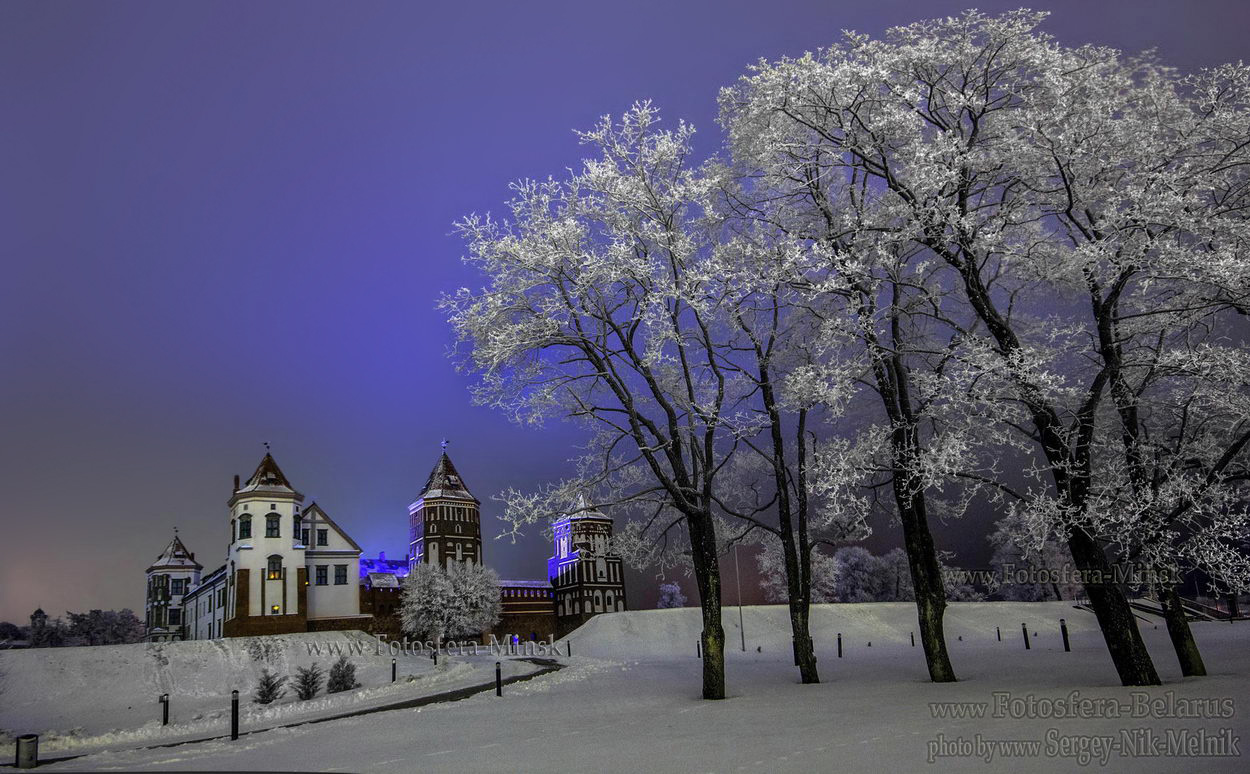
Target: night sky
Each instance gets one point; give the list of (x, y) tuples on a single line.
[(223, 224)]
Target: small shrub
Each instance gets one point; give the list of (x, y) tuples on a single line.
[(308, 681), (269, 688), (342, 676)]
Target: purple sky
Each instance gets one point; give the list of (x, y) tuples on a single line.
[(220, 227)]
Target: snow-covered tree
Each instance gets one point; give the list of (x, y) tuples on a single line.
[(595, 311), (670, 596), (1075, 202), (824, 574), (461, 600), (1028, 572)]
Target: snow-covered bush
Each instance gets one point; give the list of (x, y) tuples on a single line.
[(670, 596), (269, 688), (342, 676), (308, 681)]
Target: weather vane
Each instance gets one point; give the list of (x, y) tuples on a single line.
[(444, 444), (266, 445)]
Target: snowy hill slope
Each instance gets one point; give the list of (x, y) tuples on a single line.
[(663, 633), (96, 689)]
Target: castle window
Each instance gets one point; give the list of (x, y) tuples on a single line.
[(303, 537), (232, 537), (273, 526), (295, 524), (321, 575), (245, 527), (275, 567), (323, 537), (176, 586), (340, 575), (175, 616)]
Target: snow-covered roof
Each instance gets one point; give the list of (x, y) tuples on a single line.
[(175, 557), (445, 481), (268, 478), (383, 580), (525, 584)]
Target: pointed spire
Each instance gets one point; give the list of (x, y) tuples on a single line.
[(268, 478), (175, 555), (445, 481)]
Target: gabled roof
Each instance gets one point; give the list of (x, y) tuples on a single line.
[(313, 507), (175, 555), (445, 481), (268, 478)]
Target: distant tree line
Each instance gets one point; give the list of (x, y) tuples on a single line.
[(95, 627)]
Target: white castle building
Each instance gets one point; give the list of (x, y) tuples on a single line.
[(289, 568)]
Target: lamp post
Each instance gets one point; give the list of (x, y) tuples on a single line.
[(738, 582)]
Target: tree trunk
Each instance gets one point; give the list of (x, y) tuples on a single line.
[(1115, 617), (926, 578), (804, 652), (707, 578), (1178, 629)]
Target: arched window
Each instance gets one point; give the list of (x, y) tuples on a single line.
[(273, 525), (232, 532), (245, 527), (275, 567)]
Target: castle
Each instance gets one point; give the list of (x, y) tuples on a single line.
[(291, 568)]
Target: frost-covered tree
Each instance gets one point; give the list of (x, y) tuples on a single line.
[(595, 310), (670, 596), (823, 569), (1026, 572), (308, 681), (459, 601), (1077, 203)]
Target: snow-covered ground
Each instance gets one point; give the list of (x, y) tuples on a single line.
[(87, 698), (629, 701)]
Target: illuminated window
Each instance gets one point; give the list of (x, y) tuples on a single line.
[(275, 567), (275, 609)]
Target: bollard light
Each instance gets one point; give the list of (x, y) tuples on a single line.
[(393, 668), (839, 644), (498, 679), (1063, 630), (164, 709), (234, 714), (27, 751), (1025, 629)]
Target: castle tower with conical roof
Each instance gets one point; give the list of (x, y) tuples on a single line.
[(174, 573), (266, 573), (445, 520)]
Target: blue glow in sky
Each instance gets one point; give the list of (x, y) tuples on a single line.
[(223, 224)]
